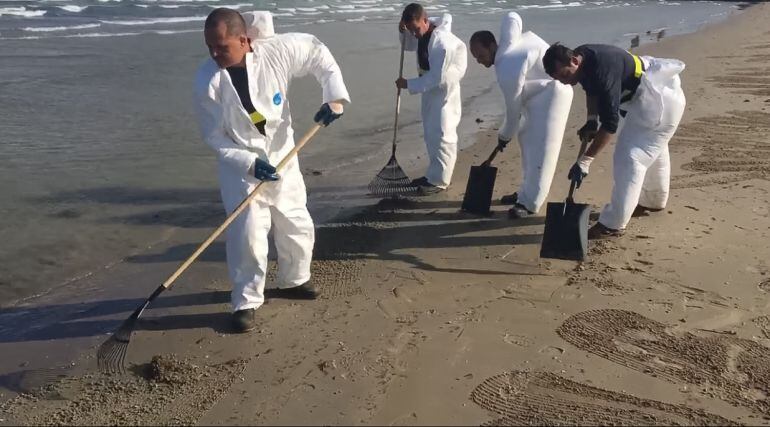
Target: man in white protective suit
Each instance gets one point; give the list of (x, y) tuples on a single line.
[(442, 60), (243, 112), (536, 107), (641, 97)]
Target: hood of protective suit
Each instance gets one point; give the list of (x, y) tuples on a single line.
[(661, 70), (443, 22), (659, 81), (259, 24), (510, 29)]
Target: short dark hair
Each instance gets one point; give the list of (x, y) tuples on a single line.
[(236, 25), (483, 38), (555, 56), (412, 12)]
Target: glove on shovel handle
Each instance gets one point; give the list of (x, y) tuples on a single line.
[(573, 183)]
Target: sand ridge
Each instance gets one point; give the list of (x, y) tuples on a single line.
[(167, 391), (542, 398)]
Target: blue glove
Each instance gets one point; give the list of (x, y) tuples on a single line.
[(264, 171), (501, 143), (325, 115)]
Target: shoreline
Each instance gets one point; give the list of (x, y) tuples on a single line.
[(423, 278), (58, 229), (329, 198)]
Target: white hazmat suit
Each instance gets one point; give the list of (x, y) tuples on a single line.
[(537, 108), (441, 105), (641, 163), (227, 128)]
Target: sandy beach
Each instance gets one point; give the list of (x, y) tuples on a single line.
[(432, 316)]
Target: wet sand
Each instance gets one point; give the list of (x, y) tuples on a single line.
[(431, 316)]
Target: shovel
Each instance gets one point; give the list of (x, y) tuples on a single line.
[(566, 226), (481, 183)]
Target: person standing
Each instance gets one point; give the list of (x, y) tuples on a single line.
[(442, 60), (240, 96)]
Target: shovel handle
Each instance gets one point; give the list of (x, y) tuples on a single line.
[(572, 186), (573, 183), (492, 156), (244, 204)]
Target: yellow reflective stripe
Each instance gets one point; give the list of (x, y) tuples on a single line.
[(256, 117), (421, 72), (638, 69)]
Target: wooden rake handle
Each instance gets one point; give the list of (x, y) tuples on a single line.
[(398, 92), (230, 218)]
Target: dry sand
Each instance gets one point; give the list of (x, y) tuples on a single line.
[(430, 316)]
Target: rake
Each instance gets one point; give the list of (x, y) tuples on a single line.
[(112, 353), (392, 180)]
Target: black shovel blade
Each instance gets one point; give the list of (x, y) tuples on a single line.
[(478, 192), (566, 231)]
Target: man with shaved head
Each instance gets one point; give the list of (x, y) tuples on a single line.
[(243, 113), (225, 33)]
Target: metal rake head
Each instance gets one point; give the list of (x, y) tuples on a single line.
[(391, 180), (111, 355)]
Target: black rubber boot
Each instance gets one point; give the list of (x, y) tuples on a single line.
[(599, 231), (303, 291), (244, 320), (428, 189), (519, 211), (510, 199), (419, 181), (644, 211)]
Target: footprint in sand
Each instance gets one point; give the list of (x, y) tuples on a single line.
[(735, 370), (519, 340), (551, 351), (765, 285), (541, 398)]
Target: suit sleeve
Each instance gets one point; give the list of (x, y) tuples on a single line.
[(511, 82), (434, 77), (210, 116), (309, 56)]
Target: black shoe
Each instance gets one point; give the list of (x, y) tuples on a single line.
[(519, 211), (303, 291), (419, 181), (644, 211), (510, 199), (244, 320), (428, 189), (599, 231)]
